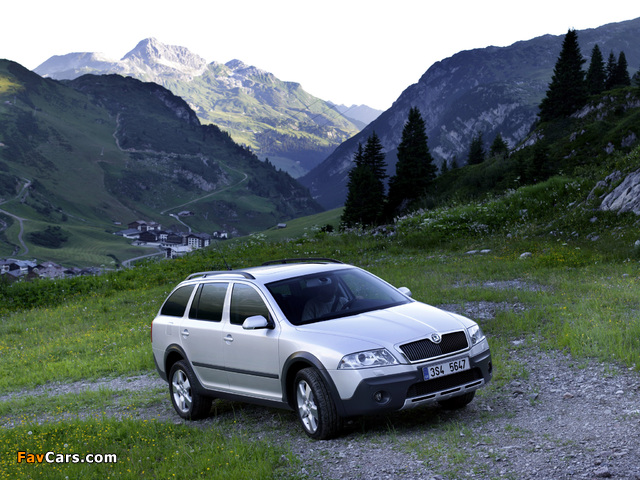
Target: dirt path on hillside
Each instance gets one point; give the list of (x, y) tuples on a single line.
[(21, 196)]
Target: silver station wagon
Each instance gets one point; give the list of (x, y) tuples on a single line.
[(325, 339)]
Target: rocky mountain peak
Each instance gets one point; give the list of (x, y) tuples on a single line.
[(75, 64), (152, 53), (241, 68)]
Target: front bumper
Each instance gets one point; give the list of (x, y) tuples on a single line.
[(408, 389)]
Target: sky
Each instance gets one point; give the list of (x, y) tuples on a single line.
[(346, 51)]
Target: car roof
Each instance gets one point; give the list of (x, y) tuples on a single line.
[(274, 271)]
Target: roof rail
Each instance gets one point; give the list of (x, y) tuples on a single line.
[(220, 272), (303, 260)]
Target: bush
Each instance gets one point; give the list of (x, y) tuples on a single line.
[(51, 237)]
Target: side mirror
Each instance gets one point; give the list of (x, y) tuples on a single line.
[(405, 291), (255, 322)]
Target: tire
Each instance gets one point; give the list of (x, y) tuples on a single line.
[(314, 405), (187, 402), (456, 403)]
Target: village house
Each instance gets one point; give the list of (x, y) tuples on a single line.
[(16, 268), (144, 226), (52, 270), (176, 251), (144, 232), (27, 269), (149, 237), (198, 240)]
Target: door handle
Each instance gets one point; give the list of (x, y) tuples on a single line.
[(185, 333), (228, 339)]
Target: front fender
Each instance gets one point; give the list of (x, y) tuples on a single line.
[(296, 362)]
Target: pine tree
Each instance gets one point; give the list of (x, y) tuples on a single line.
[(622, 71), (374, 157), (476, 150), (415, 168), (362, 205), (567, 91), (538, 169), (365, 196), (499, 147), (596, 75), (612, 66)]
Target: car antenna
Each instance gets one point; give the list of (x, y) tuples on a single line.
[(221, 255)]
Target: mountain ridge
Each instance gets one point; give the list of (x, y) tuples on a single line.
[(277, 119), (489, 90)]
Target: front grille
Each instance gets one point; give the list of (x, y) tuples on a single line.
[(443, 383), (425, 348)]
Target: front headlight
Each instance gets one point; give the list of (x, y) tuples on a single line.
[(371, 358), (476, 334)]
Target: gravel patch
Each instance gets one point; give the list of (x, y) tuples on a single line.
[(139, 382)]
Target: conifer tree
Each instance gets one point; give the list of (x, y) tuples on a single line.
[(476, 150), (622, 71), (499, 147), (611, 72), (567, 91), (365, 196), (617, 72), (415, 168), (596, 75), (374, 157), (538, 168)]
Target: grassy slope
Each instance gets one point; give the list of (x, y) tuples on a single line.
[(585, 302)]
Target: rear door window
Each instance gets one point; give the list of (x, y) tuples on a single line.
[(176, 304), (209, 302)]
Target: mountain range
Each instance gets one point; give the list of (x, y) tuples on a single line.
[(100, 150), (278, 120), (489, 90)]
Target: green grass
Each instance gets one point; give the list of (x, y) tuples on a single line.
[(88, 338), (576, 294), (141, 449), (305, 226)]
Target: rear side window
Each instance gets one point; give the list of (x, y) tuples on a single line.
[(209, 302), (176, 304), (246, 302)]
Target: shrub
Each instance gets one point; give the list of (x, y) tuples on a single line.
[(50, 237)]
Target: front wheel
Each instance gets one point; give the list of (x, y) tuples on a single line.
[(316, 410), (182, 387)]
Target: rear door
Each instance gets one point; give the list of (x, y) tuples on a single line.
[(201, 334)]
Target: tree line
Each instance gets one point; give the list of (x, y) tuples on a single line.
[(571, 85), (569, 90), (366, 202)]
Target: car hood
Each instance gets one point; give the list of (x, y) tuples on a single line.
[(392, 326)]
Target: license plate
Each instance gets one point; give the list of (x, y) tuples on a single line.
[(445, 368)]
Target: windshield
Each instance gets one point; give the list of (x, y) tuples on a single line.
[(327, 295)]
